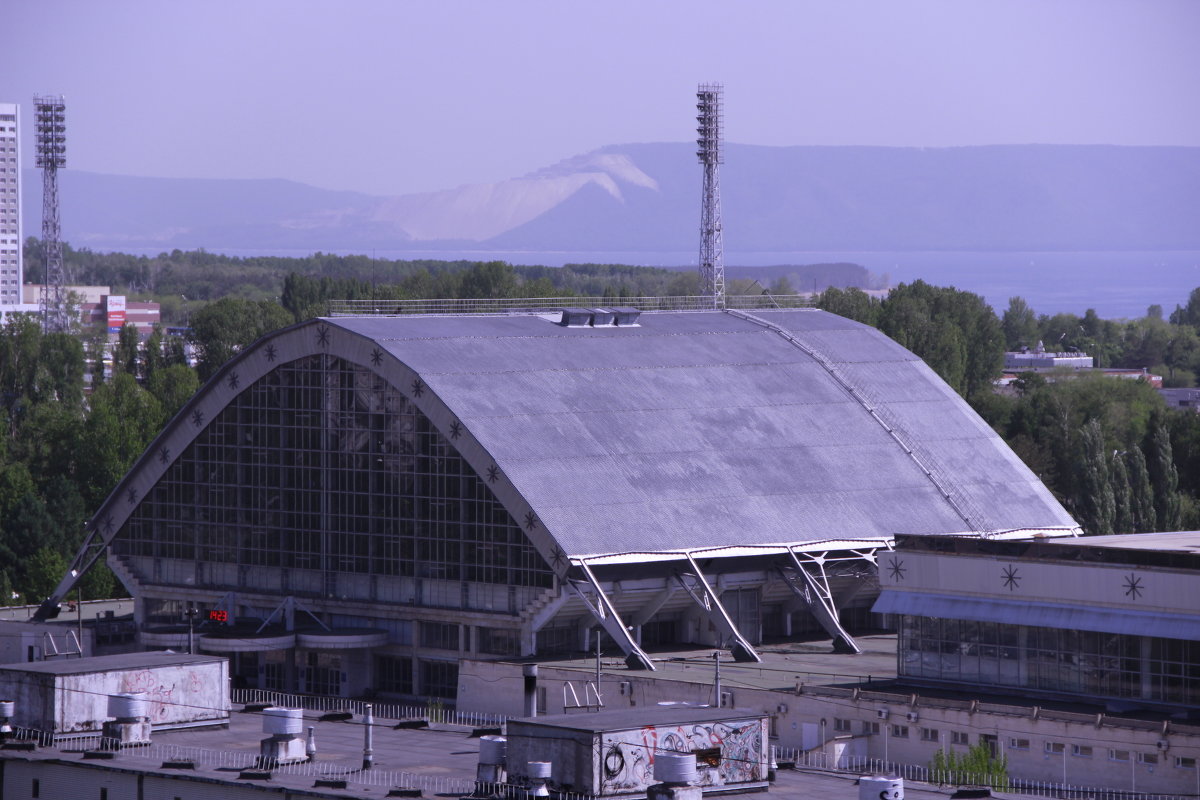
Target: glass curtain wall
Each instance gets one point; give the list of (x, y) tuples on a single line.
[(322, 466), (1086, 663)]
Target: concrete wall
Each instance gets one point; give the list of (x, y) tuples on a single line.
[(18, 641), (627, 757), (617, 763), (569, 752), (59, 780), (1097, 586), (177, 694), (820, 711)]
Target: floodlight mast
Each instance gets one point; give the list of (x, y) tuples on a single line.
[(711, 155), (51, 120)]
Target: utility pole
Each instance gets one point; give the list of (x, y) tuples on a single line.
[(716, 679)]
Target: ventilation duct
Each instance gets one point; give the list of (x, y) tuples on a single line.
[(493, 754), (284, 745), (131, 720), (603, 317), (626, 315), (539, 775), (576, 318)]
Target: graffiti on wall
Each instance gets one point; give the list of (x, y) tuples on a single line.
[(172, 694), (727, 753)]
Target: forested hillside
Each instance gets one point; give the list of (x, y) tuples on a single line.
[(1109, 449)]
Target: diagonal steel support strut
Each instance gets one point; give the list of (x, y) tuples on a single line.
[(695, 585), (814, 591), (606, 614)]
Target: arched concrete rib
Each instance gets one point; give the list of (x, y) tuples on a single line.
[(315, 337)]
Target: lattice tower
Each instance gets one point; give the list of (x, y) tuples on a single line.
[(51, 120), (711, 155)]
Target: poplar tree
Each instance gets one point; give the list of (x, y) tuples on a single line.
[(1097, 507), (1141, 493), (1118, 478), (1165, 479)]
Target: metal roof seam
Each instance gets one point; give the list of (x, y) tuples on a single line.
[(893, 426)]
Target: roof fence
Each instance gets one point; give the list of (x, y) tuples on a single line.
[(536, 305)]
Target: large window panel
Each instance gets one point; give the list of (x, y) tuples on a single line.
[(321, 465)]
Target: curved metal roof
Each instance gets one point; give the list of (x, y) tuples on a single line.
[(688, 430), (706, 429)]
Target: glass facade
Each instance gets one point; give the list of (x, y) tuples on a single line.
[(1098, 665), (322, 479)]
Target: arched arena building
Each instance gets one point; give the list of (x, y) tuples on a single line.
[(356, 502)]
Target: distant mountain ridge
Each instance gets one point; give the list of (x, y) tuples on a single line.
[(645, 198)]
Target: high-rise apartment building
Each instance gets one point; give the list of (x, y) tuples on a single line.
[(11, 274)]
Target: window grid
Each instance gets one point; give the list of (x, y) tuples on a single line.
[(322, 465), (1051, 659), (439, 679)]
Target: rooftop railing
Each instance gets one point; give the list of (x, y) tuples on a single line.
[(534, 305)]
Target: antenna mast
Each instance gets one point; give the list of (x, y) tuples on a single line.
[(712, 247), (51, 156)]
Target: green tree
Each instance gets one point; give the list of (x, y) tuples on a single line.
[(955, 332), (221, 329), (60, 369), (1189, 314), (853, 304), (152, 355), (175, 353), (976, 766), (1164, 477), (491, 279), (97, 351), (123, 420), (15, 484), (1182, 356), (125, 354), (6, 589), (1061, 332), (173, 386), (27, 529), (1122, 493), (46, 568), (1141, 493), (1095, 505), (1146, 342), (1020, 325), (100, 582)]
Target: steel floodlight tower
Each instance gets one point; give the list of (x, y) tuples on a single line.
[(711, 155), (51, 114)]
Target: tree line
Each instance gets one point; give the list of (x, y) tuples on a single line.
[(62, 451), (1108, 448)]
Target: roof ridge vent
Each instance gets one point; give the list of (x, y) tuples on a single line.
[(627, 315), (603, 317), (576, 318)]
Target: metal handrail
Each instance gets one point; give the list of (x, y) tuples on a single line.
[(533, 305)]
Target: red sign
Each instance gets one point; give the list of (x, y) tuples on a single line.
[(218, 615), (115, 310)]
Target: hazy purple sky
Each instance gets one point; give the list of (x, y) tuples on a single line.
[(385, 96)]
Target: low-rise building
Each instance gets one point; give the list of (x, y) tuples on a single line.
[(1188, 399), (1039, 359)]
